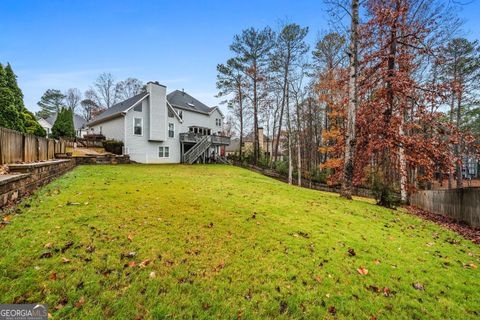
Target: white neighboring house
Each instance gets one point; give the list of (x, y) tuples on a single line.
[(160, 128), (79, 123), (45, 125)]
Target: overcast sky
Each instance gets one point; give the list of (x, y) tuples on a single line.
[(64, 44)]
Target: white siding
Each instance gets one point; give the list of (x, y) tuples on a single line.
[(112, 129), (145, 148), (158, 111)]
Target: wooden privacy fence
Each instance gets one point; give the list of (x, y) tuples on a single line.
[(19, 147), (459, 204)]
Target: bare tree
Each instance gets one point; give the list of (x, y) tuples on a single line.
[(128, 88), (73, 96), (105, 90)]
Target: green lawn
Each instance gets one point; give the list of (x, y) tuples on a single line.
[(220, 242)]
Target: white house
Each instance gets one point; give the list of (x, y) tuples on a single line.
[(45, 125), (79, 123), (160, 128)]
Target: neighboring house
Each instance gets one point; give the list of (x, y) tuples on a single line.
[(160, 128), (470, 167), (266, 144), (79, 123), (46, 126)]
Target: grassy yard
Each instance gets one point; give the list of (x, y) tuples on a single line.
[(210, 242)]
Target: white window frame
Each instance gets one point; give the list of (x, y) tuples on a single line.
[(164, 148), (141, 126), (168, 131)]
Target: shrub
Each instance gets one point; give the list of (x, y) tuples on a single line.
[(281, 167), (384, 193), (113, 146)]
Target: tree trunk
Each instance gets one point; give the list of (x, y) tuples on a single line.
[(240, 97), (290, 165), (299, 145), (458, 146), (452, 109), (255, 117), (348, 167)]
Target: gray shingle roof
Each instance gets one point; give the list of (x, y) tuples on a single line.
[(177, 98), (183, 100), (78, 121), (119, 107)]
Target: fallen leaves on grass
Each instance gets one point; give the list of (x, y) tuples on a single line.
[(362, 271), (418, 286), (7, 218), (130, 237), (467, 232), (351, 252), (65, 260), (470, 266), (130, 254), (53, 276), (67, 246), (144, 263), (152, 275), (376, 261), (46, 254), (332, 310), (80, 303), (219, 267)]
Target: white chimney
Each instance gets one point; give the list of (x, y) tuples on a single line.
[(158, 111)]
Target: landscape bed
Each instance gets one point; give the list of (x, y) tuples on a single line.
[(212, 241)]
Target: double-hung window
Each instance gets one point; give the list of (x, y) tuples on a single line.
[(137, 126), (163, 152), (171, 130)]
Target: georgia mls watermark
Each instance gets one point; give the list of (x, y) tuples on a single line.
[(23, 312)]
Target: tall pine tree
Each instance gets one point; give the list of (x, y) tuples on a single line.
[(10, 115), (63, 126)]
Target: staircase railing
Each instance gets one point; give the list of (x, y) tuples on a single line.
[(197, 150)]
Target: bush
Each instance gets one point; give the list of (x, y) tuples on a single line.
[(113, 146), (318, 175), (384, 193), (281, 167)]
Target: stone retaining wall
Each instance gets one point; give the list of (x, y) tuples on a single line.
[(25, 178)]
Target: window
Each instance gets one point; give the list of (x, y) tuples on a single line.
[(170, 113), (137, 126), (138, 107), (171, 130), (180, 114), (163, 152), (218, 122)]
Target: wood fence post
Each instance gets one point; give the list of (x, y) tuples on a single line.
[(24, 147), (1, 146)]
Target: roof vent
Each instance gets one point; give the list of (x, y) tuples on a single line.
[(191, 105)]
